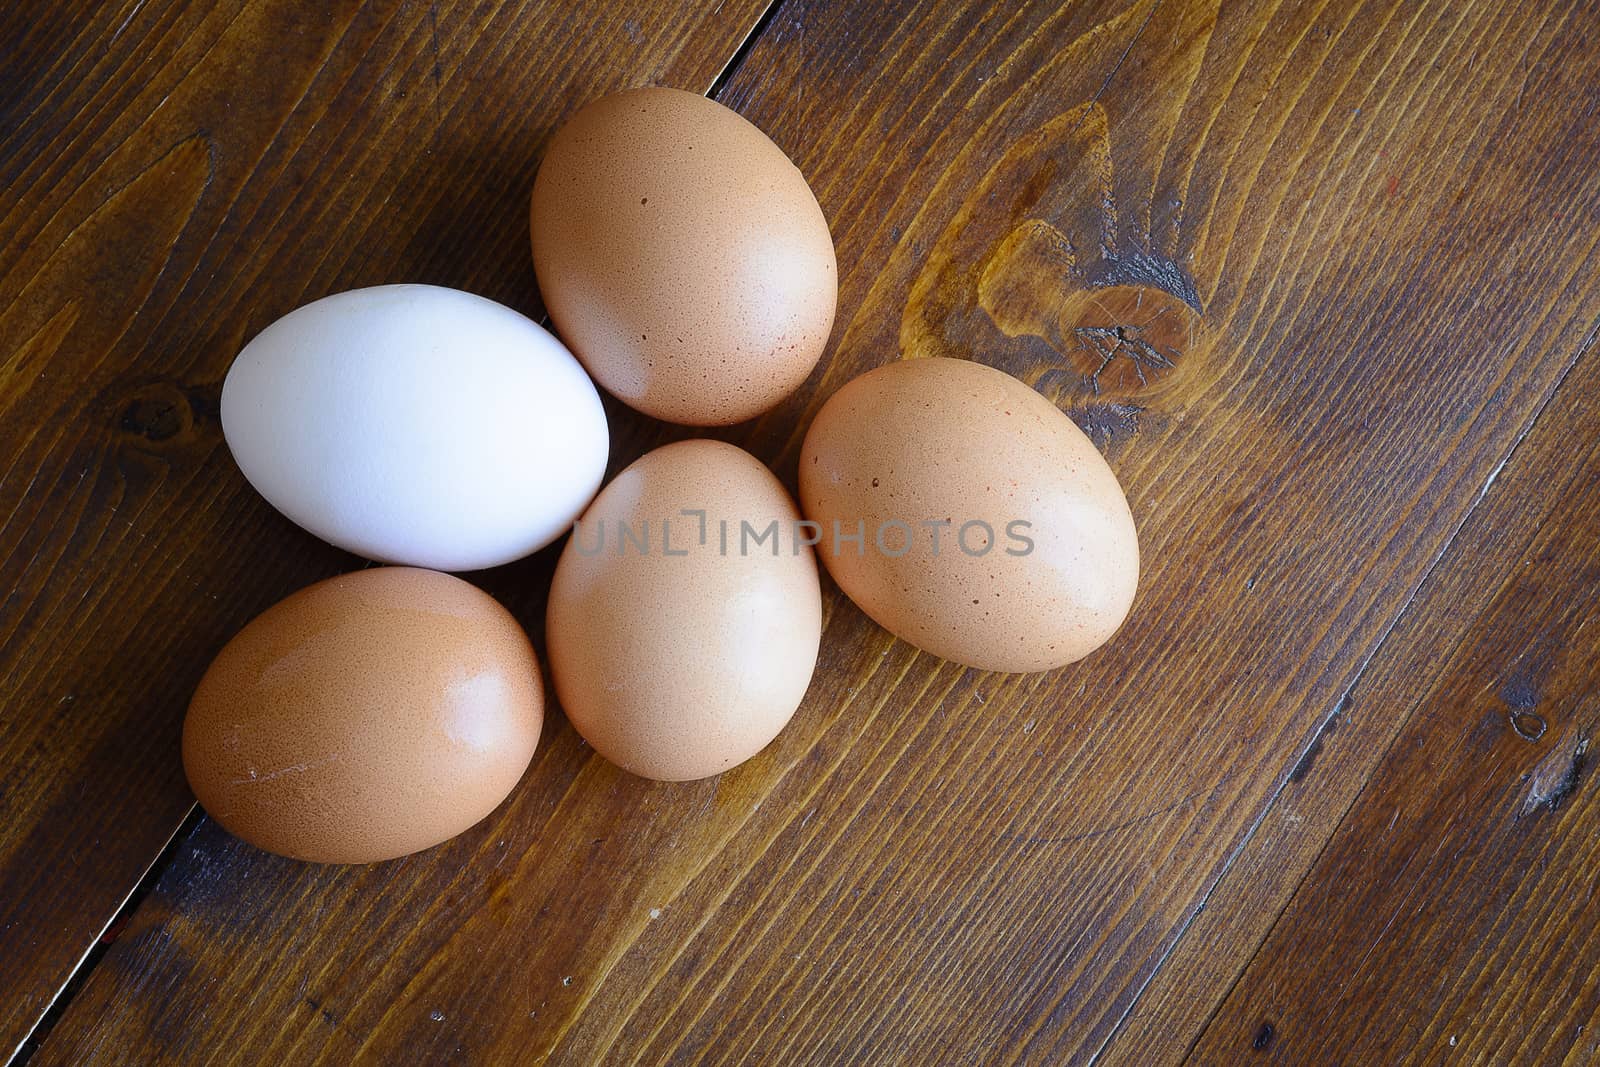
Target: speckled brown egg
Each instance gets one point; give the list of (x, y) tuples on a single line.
[(365, 717), (991, 532), (685, 613), (682, 257)]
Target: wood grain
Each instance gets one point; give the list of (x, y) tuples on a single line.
[(1340, 291), (1452, 917), (173, 176), (1351, 736)]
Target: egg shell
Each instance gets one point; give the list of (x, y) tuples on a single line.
[(365, 717), (679, 666), (682, 256), (418, 425), (930, 441)]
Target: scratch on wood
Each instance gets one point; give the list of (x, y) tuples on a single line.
[(1107, 423), (433, 41), (131, 16), (1556, 778), (1101, 831), (1123, 58)]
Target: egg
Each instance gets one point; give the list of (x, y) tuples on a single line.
[(365, 717), (968, 515), (685, 613), (682, 256), (418, 425)]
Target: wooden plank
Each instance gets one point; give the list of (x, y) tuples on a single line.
[(173, 176), (934, 863), (1353, 734), (1452, 917)]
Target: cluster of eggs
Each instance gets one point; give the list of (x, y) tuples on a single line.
[(686, 263)]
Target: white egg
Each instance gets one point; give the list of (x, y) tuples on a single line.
[(417, 425)]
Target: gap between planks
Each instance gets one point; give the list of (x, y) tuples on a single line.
[(40, 1030)]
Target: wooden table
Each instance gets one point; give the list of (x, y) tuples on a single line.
[(1325, 799)]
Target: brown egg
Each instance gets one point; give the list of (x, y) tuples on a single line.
[(365, 717), (992, 533), (682, 257), (685, 613)]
